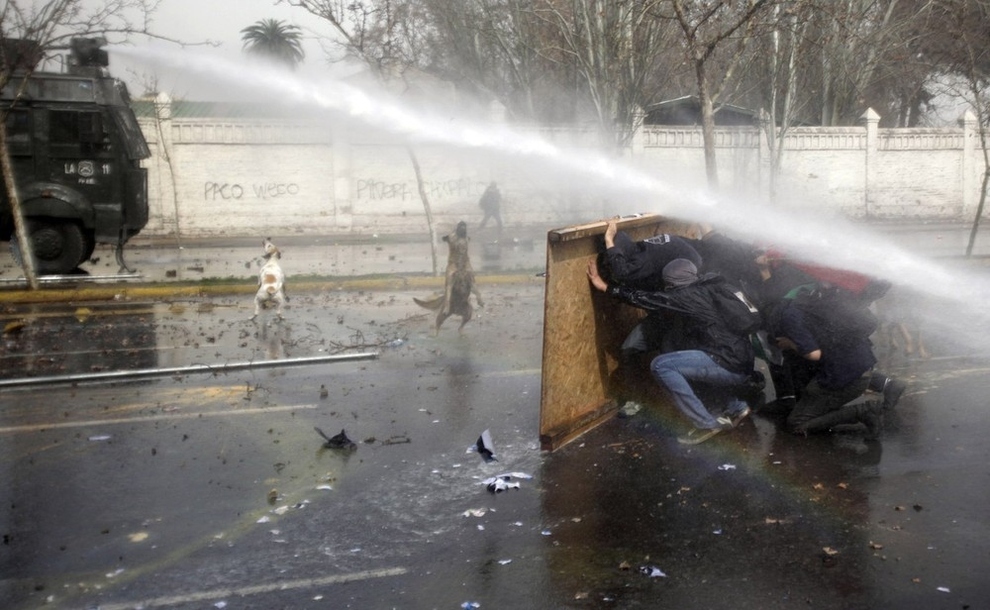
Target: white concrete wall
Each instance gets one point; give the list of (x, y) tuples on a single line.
[(253, 178)]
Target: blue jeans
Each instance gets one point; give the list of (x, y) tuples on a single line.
[(676, 370)]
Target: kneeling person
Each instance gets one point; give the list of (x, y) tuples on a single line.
[(715, 350)]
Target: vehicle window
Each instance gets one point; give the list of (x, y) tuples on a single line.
[(18, 127), (136, 146), (77, 131)]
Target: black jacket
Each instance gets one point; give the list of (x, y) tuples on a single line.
[(639, 264), (703, 326)]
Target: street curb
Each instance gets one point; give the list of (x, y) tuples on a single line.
[(207, 288)]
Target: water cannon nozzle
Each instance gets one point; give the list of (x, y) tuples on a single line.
[(89, 52)]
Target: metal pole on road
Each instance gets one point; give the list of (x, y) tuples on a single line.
[(180, 370)]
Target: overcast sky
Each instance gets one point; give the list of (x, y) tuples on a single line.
[(220, 21)]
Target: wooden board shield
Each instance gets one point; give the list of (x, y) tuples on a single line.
[(583, 328)]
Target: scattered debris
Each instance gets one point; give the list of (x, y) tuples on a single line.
[(272, 496), (475, 512), (398, 439), (323, 391), (942, 589), (470, 605), (484, 447), (630, 409), (83, 313), (338, 441), (14, 327), (727, 467), (652, 571), (500, 483), (100, 437)]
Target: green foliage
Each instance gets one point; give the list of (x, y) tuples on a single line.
[(275, 40)]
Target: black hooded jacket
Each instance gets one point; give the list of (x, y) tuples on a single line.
[(639, 264), (704, 327)]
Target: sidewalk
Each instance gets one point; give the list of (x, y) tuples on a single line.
[(229, 264)]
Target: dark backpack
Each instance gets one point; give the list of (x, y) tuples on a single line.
[(736, 311), (841, 317)]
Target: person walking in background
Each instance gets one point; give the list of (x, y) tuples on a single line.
[(491, 204)]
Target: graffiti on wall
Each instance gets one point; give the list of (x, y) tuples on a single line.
[(441, 189), (213, 191)]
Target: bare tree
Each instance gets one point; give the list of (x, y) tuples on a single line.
[(958, 45), (616, 48), (492, 51), (861, 55), (775, 67), (711, 29), (386, 36), (49, 26)]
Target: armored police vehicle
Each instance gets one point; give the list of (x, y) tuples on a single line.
[(75, 149)]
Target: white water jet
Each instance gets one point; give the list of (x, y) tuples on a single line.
[(959, 295)]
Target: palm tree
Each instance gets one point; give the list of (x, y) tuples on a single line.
[(273, 39)]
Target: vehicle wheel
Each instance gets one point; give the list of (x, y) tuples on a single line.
[(58, 245)]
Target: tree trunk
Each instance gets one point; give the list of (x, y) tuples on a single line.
[(426, 208), (20, 227), (707, 124)]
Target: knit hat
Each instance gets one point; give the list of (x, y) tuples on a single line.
[(680, 272)]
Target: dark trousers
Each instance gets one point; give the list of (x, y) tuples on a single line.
[(817, 404)]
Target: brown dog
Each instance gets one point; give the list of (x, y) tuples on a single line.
[(458, 283)]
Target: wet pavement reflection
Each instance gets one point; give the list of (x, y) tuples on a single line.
[(205, 490)]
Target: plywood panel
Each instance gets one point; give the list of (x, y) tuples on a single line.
[(583, 329)]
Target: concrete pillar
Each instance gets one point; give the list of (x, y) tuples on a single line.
[(972, 179), (871, 120)]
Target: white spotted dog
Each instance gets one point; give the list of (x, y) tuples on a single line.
[(271, 282)]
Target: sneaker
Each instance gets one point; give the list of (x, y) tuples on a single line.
[(737, 417), (700, 435), (892, 393)]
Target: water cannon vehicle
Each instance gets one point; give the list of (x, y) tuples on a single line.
[(75, 149)]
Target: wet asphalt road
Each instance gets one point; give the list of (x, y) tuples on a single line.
[(155, 492)]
